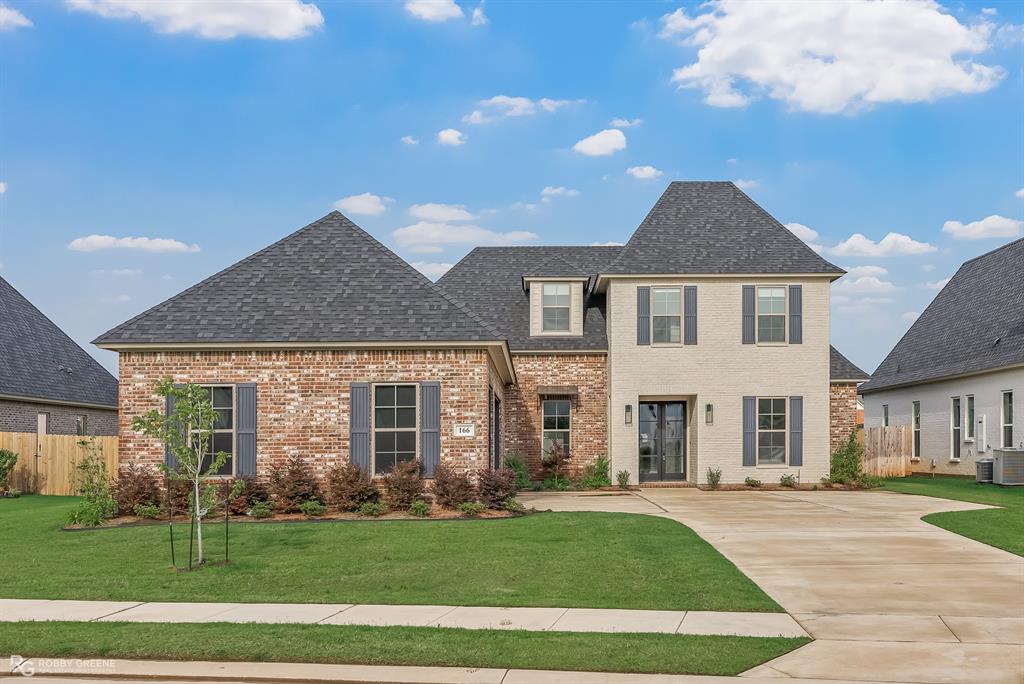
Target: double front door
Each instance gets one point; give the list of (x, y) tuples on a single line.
[(662, 440)]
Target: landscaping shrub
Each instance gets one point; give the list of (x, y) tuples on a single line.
[(714, 477), (251, 491), (180, 497), (136, 485), (348, 487), (452, 488), (471, 509), (596, 475), (555, 484), (312, 508), (495, 486), (293, 485), (260, 509), (93, 484), (518, 466), (403, 484), (787, 481), (553, 463), (751, 482), (373, 509), (144, 510), (622, 477), (512, 505), (419, 508), (8, 459), (846, 462)]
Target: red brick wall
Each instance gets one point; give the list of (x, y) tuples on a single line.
[(302, 397), (589, 426), (843, 413)]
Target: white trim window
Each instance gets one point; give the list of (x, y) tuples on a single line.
[(666, 315), (1006, 419), (81, 424), (771, 314), (557, 424), (970, 417), (395, 421), (771, 431), (955, 429), (916, 422), (556, 307), (885, 415), (222, 398)]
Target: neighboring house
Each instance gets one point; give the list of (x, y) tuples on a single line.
[(702, 343), (847, 415), (48, 384), (957, 376)]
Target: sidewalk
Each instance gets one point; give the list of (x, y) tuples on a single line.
[(467, 617)]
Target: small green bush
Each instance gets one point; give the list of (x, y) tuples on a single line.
[(869, 481), (143, 510), (555, 484), (13, 493), (91, 513), (751, 482), (373, 509), (471, 508), (597, 474), (845, 466), (8, 459), (714, 476), (622, 477), (312, 508), (93, 484), (260, 509), (787, 481), (518, 466), (419, 508), (512, 505)]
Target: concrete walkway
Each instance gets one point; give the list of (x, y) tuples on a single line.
[(887, 596), (466, 617)]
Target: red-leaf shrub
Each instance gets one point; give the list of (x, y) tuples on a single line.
[(348, 487), (452, 488), (403, 484), (136, 484), (253, 491), (494, 486), (293, 485)]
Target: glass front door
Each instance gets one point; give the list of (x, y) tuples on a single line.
[(662, 440)]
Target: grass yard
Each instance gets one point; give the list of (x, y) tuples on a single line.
[(667, 653), (585, 560), (1001, 527)]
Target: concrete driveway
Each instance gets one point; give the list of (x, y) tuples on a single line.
[(887, 596)]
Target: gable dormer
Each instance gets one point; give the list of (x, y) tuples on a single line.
[(556, 290)]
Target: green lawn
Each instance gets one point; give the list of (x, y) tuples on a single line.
[(590, 560), (1000, 527), (668, 653)]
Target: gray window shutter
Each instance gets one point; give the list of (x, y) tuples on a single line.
[(245, 429), (749, 431), (643, 315), (430, 426), (796, 314), (749, 315), (796, 431), (690, 314), (169, 459), (359, 425)]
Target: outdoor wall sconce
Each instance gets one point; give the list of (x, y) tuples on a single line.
[(709, 414), (629, 414)]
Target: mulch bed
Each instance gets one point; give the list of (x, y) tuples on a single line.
[(774, 487)]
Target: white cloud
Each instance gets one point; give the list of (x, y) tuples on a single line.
[(451, 137), (830, 57), (610, 243), (365, 204), (528, 206), (910, 316), (893, 244), (860, 304), (118, 271), (936, 284), (433, 10), (435, 233), (731, 160), (440, 213), (608, 141), (858, 271), (214, 19), (431, 269), (928, 268), (426, 249), (643, 172), (1019, 193), (3, 187), (11, 19), (808, 235), (560, 191), (478, 16), (410, 140), (865, 284), (166, 276), (505, 106), (116, 299), (625, 123), (95, 243), (746, 183), (994, 226)]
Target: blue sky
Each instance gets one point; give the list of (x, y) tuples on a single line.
[(208, 131)]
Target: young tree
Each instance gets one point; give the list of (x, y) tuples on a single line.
[(186, 430)]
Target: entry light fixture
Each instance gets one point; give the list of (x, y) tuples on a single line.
[(629, 414), (709, 414)]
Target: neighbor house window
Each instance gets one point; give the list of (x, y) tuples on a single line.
[(223, 438), (556, 425), (80, 425), (954, 417), (394, 426), (665, 314), (556, 305), (771, 431), (1007, 420), (917, 429), (885, 415), (970, 417), (771, 314)]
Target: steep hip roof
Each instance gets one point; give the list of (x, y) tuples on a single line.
[(974, 324), (842, 369), (39, 361), (329, 282), (713, 227)]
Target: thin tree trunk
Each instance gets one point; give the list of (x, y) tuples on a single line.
[(199, 521)]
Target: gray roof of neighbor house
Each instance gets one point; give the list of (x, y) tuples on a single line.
[(841, 368), (974, 324), (489, 281), (327, 282), (714, 227), (38, 360)]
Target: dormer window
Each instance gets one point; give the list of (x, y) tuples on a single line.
[(556, 306)]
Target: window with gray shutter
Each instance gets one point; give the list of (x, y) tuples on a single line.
[(170, 460), (643, 315), (430, 427), (749, 431), (749, 314), (359, 425), (690, 314), (796, 318), (796, 431), (245, 429)]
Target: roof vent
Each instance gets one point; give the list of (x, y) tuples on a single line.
[(65, 369)]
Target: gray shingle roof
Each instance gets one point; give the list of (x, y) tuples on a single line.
[(713, 227), (489, 281), (841, 368), (556, 267), (327, 282), (976, 323), (38, 360)]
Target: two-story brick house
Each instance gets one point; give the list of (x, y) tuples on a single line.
[(702, 343)]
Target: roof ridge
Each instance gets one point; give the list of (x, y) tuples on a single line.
[(1000, 248)]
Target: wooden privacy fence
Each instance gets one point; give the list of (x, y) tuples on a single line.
[(887, 450), (53, 472)]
